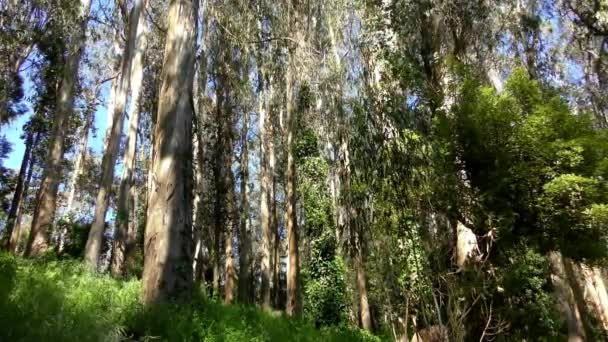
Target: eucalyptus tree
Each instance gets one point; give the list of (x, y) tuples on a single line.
[(125, 223), (93, 246), (22, 25), (168, 235), (45, 209)]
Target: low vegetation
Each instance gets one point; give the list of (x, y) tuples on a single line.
[(51, 300)]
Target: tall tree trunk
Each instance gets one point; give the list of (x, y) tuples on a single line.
[(82, 153), (168, 240), (293, 273), (202, 195), (45, 209), (197, 207), (228, 200), (18, 195), (274, 224), (218, 202), (264, 199), (93, 246), (122, 242), (364, 309), (245, 274), (18, 229), (132, 230)]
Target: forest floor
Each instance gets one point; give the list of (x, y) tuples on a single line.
[(50, 300)]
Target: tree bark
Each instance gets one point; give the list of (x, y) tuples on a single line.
[(93, 246), (202, 197), (45, 209), (18, 229), (293, 273), (274, 224), (264, 198), (245, 272), (228, 199), (364, 310), (122, 242), (18, 195), (82, 153), (168, 241), (565, 298)]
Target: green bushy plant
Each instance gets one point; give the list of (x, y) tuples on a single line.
[(59, 300)]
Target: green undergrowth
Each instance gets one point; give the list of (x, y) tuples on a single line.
[(60, 301)]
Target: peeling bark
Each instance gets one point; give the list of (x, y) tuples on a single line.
[(93, 246), (122, 242), (168, 241)]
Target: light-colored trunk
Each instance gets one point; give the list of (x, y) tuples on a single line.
[(264, 202), (274, 224), (466, 245), (495, 79), (245, 236), (168, 241), (293, 273), (78, 168), (80, 159), (203, 194), (565, 298), (113, 88), (125, 201), (93, 246), (595, 292), (197, 206), (357, 243), (47, 203), (230, 271), (364, 310), (341, 175)]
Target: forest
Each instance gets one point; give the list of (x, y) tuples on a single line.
[(304, 170)]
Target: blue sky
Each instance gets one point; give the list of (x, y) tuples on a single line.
[(14, 130)]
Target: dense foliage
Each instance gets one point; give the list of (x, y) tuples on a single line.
[(419, 170)]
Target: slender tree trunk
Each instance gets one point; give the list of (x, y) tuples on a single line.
[(578, 295), (364, 310), (18, 195), (274, 224), (168, 241), (203, 194), (222, 173), (113, 88), (197, 207), (229, 255), (245, 276), (293, 273), (131, 245), (264, 198), (228, 200), (18, 229), (125, 201), (45, 210), (82, 153), (93, 246)]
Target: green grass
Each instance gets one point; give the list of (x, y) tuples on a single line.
[(61, 301)]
